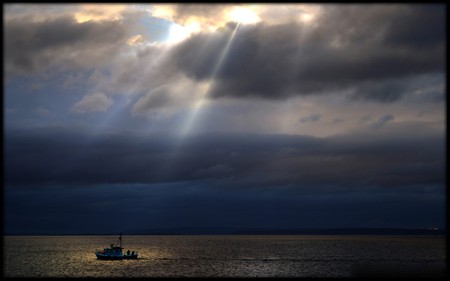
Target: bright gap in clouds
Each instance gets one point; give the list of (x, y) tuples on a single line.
[(178, 33), (244, 16)]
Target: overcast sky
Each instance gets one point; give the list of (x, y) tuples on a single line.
[(139, 116)]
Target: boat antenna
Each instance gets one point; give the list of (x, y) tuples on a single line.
[(120, 240)]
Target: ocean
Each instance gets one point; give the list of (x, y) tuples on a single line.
[(227, 256)]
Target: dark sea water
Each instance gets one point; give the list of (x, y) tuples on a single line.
[(227, 256)]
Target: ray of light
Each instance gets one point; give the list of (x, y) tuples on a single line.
[(165, 169), (115, 111), (188, 126)]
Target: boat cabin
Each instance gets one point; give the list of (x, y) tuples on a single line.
[(115, 252)]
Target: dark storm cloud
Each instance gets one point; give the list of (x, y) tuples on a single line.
[(215, 171), (421, 26), (231, 159), (372, 50), (35, 45), (149, 208)]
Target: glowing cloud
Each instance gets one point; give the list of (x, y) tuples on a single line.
[(136, 40), (177, 34), (92, 103), (306, 17), (244, 15), (186, 14), (100, 12)]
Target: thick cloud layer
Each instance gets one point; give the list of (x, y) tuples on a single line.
[(367, 51), (229, 159), (61, 42), (373, 52), (161, 207)]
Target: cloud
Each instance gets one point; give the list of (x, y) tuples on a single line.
[(157, 98), (61, 42), (366, 64), (92, 103), (37, 13), (168, 99), (186, 14), (367, 59), (355, 160), (136, 40), (215, 171), (382, 121), (42, 111), (56, 210), (363, 52), (311, 118), (100, 12)]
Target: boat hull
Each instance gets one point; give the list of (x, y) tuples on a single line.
[(113, 257)]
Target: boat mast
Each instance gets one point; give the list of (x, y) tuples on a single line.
[(120, 240)]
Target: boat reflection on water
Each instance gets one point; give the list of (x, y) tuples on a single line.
[(115, 252)]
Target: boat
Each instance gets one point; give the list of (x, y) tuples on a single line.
[(116, 253)]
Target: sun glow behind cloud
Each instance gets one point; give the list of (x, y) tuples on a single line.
[(136, 40), (307, 17), (243, 15), (100, 12), (178, 33)]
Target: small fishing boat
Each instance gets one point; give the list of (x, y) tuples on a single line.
[(115, 252)]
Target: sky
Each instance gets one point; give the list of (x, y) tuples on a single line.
[(124, 117)]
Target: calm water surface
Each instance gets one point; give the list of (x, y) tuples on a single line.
[(225, 256)]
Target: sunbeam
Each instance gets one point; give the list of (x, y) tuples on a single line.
[(188, 126), (193, 114)]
